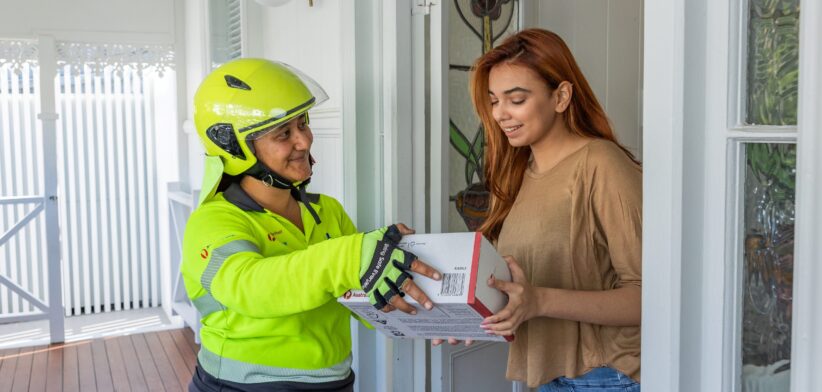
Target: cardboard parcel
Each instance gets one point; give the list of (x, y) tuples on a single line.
[(462, 299)]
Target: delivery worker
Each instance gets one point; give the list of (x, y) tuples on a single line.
[(263, 260)]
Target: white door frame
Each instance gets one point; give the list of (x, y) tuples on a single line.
[(806, 353), (690, 132), (403, 124), (662, 186)]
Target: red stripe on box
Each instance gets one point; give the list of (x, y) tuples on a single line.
[(472, 282), (485, 312)]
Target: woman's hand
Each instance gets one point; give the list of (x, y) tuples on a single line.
[(522, 304)]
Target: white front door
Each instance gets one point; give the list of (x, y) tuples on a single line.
[(606, 39)]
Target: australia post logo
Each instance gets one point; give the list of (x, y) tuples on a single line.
[(349, 294), (273, 236)]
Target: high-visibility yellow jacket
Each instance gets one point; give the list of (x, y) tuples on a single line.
[(267, 291)]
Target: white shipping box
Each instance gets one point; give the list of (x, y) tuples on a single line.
[(462, 299)]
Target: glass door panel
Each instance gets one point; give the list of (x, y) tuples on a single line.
[(773, 62), (768, 248), (475, 26), (769, 179)]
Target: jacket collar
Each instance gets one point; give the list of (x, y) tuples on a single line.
[(237, 196)]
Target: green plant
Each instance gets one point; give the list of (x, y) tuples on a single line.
[(774, 164), (472, 151), (773, 62)]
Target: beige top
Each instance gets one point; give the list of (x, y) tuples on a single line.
[(577, 226)]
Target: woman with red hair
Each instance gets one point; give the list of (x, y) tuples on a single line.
[(566, 205)]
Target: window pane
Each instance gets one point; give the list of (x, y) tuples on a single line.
[(773, 62), (770, 179), (474, 28), (225, 31)]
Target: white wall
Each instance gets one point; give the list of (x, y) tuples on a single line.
[(133, 20), (197, 66), (310, 39), (605, 36)]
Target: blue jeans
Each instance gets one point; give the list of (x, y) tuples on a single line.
[(602, 379)]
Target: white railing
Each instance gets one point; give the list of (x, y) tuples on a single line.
[(181, 203), (29, 266), (23, 262)]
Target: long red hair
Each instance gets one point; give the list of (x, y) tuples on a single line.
[(545, 53)]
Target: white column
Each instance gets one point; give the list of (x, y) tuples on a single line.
[(662, 184), (806, 359), (48, 115)]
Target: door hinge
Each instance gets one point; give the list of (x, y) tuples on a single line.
[(422, 7)]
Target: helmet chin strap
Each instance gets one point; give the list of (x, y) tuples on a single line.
[(272, 179)]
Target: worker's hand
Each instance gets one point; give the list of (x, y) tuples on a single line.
[(384, 270)]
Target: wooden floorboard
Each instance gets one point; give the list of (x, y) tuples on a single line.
[(118, 367), (157, 361), (102, 370), (189, 334), (177, 362), (39, 369), (71, 376), (170, 381), (135, 374), (8, 365), (189, 355), (152, 376), (86, 368), (22, 373), (54, 374)]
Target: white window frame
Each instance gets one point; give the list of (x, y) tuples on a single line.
[(738, 133), (691, 118), (244, 32)]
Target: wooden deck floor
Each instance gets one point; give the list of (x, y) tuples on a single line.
[(157, 361)]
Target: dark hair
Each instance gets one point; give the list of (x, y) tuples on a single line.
[(546, 54)]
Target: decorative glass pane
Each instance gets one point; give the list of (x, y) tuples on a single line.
[(773, 62), (770, 180), (475, 26)]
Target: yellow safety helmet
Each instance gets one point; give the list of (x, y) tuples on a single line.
[(239, 102), (241, 98)]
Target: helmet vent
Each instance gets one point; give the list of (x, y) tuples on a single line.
[(223, 136), (233, 82)]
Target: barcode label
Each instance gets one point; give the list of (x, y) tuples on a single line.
[(452, 285)]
